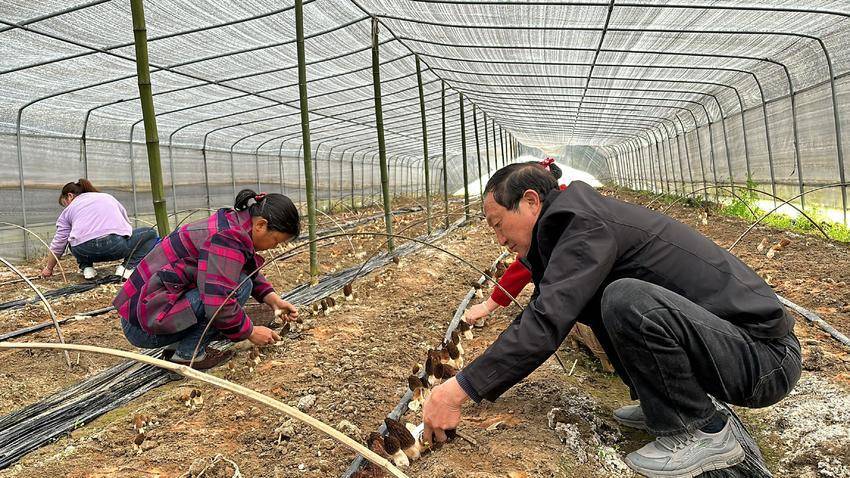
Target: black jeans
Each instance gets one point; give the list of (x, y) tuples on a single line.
[(673, 353), (113, 247)]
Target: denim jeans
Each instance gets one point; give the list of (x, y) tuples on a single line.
[(672, 354), (186, 340), (114, 247)]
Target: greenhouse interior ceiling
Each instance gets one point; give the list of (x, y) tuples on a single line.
[(669, 97)]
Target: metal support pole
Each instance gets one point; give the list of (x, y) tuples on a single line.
[(424, 144), (495, 146), (379, 125), (445, 172), (305, 141), (463, 157), (280, 168), (146, 97), (353, 207), (502, 147), (478, 156), (487, 149)]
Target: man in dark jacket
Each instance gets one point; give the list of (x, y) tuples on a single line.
[(679, 317)]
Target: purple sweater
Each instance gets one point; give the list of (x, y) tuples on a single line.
[(89, 216)]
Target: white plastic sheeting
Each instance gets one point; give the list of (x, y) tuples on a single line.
[(661, 95)]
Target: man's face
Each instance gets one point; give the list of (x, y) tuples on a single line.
[(513, 227)]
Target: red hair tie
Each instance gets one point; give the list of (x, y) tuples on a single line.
[(546, 162), (259, 197)]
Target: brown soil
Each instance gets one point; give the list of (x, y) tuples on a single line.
[(354, 362)]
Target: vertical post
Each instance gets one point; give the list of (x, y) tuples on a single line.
[(173, 187), (495, 146), (305, 138), (463, 157), (478, 156), (146, 97), (445, 172), (353, 206), (298, 172), (424, 144), (280, 168), (379, 125), (502, 147), (486, 147)]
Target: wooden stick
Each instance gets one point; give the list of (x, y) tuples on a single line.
[(227, 385)]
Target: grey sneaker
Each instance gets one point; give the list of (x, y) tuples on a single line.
[(687, 455), (631, 416)]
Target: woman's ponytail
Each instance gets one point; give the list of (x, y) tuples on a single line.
[(86, 186), (80, 187), (277, 209), (243, 198)]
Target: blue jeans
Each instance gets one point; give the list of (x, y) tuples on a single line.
[(188, 339), (114, 247)]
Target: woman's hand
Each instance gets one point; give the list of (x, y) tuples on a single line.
[(281, 307), (47, 272), (263, 336), (285, 310)]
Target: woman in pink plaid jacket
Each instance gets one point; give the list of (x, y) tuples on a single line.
[(189, 279)]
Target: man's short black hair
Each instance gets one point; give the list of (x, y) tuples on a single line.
[(509, 183)]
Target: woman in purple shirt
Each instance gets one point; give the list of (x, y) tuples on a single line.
[(96, 226)]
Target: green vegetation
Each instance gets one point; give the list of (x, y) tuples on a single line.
[(747, 203), (748, 200)]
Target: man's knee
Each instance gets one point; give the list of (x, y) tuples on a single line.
[(623, 301)]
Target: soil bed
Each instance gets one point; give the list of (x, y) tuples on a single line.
[(352, 367)]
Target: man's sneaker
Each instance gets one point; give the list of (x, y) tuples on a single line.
[(688, 454), (631, 416), (89, 273)]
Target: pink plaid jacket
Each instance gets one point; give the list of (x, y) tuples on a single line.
[(208, 255)]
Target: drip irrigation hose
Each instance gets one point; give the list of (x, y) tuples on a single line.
[(87, 286), (816, 320), (283, 256), (158, 363), (44, 325), (64, 411), (46, 305)]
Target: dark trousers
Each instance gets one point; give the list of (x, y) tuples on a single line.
[(114, 247), (188, 339), (673, 353)]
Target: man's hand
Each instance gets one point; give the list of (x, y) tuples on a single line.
[(441, 410), (263, 336), (47, 272), (480, 311)]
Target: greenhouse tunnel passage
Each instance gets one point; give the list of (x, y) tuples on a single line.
[(392, 117), (744, 93)]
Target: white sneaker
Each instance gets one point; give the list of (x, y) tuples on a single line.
[(89, 273), (127, 273), (119, 270)]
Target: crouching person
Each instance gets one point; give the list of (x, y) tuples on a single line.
[(96, 226), (197, 275), (680, 318)]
